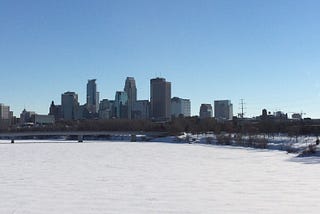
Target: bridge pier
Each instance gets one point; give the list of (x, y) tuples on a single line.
[(133, 138), (80, 138)]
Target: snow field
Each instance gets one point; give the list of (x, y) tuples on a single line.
[(125, 177)]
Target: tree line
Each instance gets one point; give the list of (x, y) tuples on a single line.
[(179, 125)]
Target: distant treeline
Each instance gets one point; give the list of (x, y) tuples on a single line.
[(189, 124)]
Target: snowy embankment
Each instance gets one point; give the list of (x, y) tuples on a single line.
[(128, 177), (299, 144)]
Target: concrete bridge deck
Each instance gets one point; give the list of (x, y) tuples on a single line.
[(80, 134)]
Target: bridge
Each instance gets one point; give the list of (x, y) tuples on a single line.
[(79, 134)]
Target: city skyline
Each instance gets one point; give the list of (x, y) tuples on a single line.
[(171, 106), (265, 52)]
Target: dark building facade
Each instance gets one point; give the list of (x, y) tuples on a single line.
[(160, 99), (92, 97), (121, 105), (56, 111), (70, 106), (205, 111), (131, 90)]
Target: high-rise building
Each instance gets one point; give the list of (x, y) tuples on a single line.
[(141, 110), (83, 113), (105, 109), (92, 97), (70, 106), (160, 99), (131, 90), (223, 110), (5, 116), (121, 105), (205, 111), (4, 112), (180, 107)]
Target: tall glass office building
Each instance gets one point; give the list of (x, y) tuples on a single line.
[(160, 99), (92, 96)]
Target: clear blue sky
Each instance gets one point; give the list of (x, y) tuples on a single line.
[(264, 51)]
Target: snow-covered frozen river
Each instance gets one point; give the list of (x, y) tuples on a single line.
[(125, 177)]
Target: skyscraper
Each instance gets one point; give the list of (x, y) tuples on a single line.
[(121, 105), (4, 112), (5, 116), (70, 106), (160, 99), (223, 110), (131, 90), (105, 109), (92, 97)]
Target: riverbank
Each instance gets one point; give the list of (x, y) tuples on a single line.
[(300, 145)]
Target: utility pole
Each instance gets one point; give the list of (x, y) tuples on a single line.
[(241, 116), (242, 108)]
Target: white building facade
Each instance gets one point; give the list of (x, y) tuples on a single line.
[(223, 110), (180, 107)]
